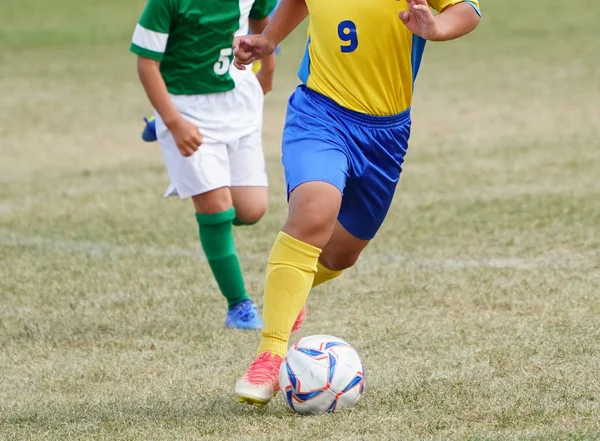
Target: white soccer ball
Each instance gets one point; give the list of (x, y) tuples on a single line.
[(321, 374)]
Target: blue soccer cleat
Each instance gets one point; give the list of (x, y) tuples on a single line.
[(244, 315), (149, 133)]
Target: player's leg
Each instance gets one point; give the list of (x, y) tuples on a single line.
[(215, 215), (249, 181), (316, 168), (292, 264), (291, 268), (374, 148), (367, 196), (205, 177), (368, 193), (380, 144), (340, 253), (232, 116), (323, 274), (249, 197), (250, 204)]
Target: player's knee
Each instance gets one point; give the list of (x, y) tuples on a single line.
[(311, 227), (251, 215), (250, 207), (215, 201), (339, 261), (250, 203), (313, 211)]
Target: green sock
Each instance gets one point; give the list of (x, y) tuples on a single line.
[(216, 237)]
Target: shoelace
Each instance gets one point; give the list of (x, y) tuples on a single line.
[(263, 369), (246, 314)]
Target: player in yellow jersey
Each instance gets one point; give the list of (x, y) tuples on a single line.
[(344, 143)]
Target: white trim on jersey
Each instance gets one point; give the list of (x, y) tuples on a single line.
[(245, 8), (147, 39)]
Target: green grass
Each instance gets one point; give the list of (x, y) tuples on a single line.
[(475, 309)]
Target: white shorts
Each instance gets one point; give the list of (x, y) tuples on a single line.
[(231, 154)]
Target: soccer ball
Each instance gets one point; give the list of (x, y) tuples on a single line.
[(321, 374)]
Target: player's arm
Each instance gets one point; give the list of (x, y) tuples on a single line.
[(149, 43), (267, 65), (258, 27), (287, 17), (156, 89), (186, 135), (455, 20)]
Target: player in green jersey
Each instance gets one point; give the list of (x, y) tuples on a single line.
[(209, 128)]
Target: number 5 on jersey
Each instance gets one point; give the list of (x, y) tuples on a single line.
[(221, 67), (348, 34)]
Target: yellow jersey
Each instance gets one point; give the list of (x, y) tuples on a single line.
[(362, 56)]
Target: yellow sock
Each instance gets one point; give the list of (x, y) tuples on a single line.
[(290, 272), (324, 274)]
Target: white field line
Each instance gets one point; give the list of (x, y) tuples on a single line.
[(371, 262), (92, 248)]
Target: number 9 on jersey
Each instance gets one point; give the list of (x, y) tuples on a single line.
[(349, 35)]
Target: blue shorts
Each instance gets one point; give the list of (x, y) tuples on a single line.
[(361, 155)]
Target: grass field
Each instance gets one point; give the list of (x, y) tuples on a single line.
[(476, 310)]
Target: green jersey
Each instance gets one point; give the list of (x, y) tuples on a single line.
[(193, 40)]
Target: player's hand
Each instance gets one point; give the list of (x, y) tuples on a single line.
[(420, 20), (187, 136), (250, 48)]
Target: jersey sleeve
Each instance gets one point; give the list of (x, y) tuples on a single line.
[(440, 5), (152, 31), (262, 8)]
